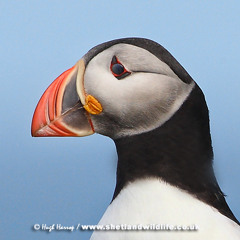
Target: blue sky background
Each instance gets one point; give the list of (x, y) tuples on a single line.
[(71, 180)]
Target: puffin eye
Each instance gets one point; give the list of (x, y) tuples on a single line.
[(118, 70)]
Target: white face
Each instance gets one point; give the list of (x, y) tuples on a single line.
[(139, 102)]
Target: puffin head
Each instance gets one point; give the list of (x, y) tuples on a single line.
[(119, 88), (134, 91)]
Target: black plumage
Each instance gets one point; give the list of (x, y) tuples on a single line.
[(178, 152)]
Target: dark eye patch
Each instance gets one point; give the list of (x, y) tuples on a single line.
[(117, 68)]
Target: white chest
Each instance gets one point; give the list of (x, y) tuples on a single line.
[(153, 203)]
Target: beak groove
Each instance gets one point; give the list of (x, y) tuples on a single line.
[(60, 111)]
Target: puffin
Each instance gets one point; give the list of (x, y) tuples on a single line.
[(135, 92)]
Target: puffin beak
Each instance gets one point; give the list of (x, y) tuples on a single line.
[(64, 109)]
